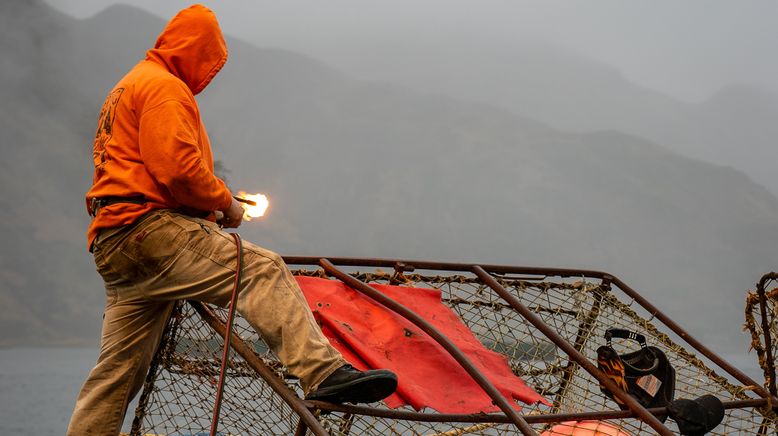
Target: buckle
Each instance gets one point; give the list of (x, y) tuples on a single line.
[(94, 204)]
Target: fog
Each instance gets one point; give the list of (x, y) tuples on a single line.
[(631, 137), (687, 50)]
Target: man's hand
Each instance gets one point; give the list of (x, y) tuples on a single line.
[(233, 216)]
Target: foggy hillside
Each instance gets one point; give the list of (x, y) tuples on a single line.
[(563, 89), (356, 168)]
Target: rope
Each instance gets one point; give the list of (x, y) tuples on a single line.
[(227, 335)]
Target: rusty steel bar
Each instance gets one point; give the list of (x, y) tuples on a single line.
[(559, 272), (574, 354), (266, 373), (301, 429), (502, 419), (435, 334), (760, 290), (444, 266)]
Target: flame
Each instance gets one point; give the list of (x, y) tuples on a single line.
[(257, 211)]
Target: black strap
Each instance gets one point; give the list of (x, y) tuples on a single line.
[(625, 334), (97, 202), (107, 201), (631, 359)]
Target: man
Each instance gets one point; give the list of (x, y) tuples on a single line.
[(153, 175)]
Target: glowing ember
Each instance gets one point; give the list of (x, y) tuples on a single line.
[(257, 211)]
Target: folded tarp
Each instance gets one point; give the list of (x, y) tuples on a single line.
[(370, 336)]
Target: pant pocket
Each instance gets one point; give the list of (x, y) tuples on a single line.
[(149, 248), (103, 265), (208, 240)]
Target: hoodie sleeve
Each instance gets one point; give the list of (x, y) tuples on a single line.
[(168, 141)]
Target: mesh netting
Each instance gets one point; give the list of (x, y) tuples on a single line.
[(181, 386)]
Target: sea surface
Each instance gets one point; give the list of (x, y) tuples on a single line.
[(38, 387)]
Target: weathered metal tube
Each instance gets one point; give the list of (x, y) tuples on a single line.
[(502, 419)]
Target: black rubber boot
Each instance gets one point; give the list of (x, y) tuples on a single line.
[(349, 385)]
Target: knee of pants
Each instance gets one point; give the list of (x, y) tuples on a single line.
[(275, 257), (269, 262)]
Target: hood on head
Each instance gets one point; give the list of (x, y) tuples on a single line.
[(191, 47)]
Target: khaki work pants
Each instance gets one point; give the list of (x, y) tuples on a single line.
[(167, 257)]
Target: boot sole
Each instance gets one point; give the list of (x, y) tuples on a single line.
[(366, 389)]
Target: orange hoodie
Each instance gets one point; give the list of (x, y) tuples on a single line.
[(150, 140)]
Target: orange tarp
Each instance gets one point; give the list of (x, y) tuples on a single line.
[(371, 336)]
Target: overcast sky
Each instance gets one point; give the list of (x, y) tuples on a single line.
[(687, 49)]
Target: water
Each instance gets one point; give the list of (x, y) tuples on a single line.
[(38, 387)]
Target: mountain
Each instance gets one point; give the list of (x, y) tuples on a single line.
[(365, 169), (48, 287), (566, 90), (736, 127)]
